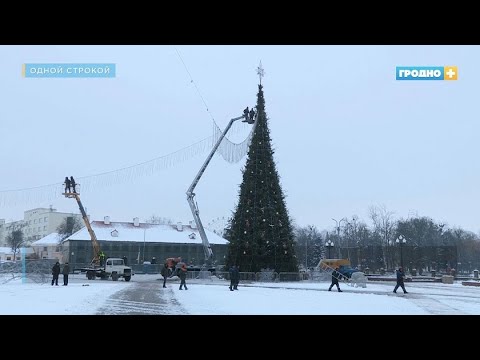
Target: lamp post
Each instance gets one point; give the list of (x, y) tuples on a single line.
[(338, 234), (329, 244), (144, 231), (400, 241), (73, 263), (306, 253)]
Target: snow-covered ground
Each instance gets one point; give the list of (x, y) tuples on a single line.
[(83, 297)]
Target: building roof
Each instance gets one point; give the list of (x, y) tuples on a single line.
[(126, 231), (50, 239)]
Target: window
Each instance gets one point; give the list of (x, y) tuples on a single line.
[(45, 219), (45, 248), (35, 221), (45, 227)]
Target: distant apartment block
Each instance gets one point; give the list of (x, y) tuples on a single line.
[(36, 224)]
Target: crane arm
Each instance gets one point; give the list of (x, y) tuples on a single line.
[(190, 194), (93, 237)]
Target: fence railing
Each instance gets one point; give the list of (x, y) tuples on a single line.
[(40, 271)]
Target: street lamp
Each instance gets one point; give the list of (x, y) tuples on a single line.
[(73, 263), (329, 244), (306, 253), (400, 241), (338, 234), (144, 232)]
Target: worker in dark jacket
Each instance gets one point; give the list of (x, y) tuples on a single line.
[(252, 116), (182, 274), (234, 277), (67, 184), (164, 272), (55, 273), (335, 277), (246, 113), (400, 277), (65, 272), (72, 183)]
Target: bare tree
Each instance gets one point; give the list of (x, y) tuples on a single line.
[(69, 225), (16, 240), (384, 227), (308, 246), (159, 220)]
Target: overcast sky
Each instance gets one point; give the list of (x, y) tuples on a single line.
[(346, 134)]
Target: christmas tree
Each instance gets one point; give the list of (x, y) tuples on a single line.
[(260, 231)]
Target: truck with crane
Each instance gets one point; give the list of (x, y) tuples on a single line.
[(248, 118), (110, 268)]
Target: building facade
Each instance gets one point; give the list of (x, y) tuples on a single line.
[(48, 247), (140, 242), (36, 224)]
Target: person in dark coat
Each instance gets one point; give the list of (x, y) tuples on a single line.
[(245, 113), (252, 116), (237, 277), (182, 274), (65, 272), (164, 273), (55, 273), (234, 277), (72, 183), (335, 277), (400, 278), (125, 260), (67, 184), (154, 261)]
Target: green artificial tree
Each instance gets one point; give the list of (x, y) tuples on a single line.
[(260, 230)]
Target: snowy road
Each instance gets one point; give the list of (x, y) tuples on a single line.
[(144, 296)]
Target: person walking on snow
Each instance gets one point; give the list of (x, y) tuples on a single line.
[(400, 278), (164, 273), (335, 277), (182, 274)]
